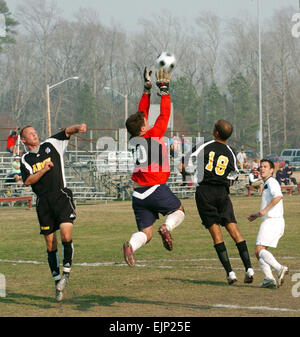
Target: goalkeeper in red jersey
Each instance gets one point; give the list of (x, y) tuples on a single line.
[(151, 195)]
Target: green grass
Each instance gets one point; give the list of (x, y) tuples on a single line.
[(189, 281)]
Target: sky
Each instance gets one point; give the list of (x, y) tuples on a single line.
[(127, 13)]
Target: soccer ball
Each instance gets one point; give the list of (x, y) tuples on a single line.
[(166, 60)]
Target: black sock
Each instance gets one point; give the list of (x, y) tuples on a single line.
[(68, 251), (53, 261), (223, 256), (244, 254)]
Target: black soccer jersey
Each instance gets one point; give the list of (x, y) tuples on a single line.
[(52, 149), (216, 164)]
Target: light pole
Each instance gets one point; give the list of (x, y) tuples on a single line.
[(48, 88), (125, 109), (259, 80)]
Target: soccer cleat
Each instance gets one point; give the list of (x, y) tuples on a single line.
[(268, 283), (62, 283), (128, 254), (249, 276), (166, 237), (58, 294), (283, 271), (231, 278)]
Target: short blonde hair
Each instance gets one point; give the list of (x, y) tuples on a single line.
[(23, 129)]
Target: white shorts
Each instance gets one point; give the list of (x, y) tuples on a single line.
[(270, 231)]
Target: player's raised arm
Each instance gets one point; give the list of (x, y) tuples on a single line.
[(73, 129), (144, 103), (163, 78)]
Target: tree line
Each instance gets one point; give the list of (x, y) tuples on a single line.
[(216, 75)]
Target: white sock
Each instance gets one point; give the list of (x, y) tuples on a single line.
[(174, 219), (266, 269), (270, 259), (138, 240)]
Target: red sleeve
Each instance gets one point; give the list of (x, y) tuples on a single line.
[(144, 105), (161, 123)]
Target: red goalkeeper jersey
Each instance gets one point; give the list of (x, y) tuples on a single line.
[(154, 169)]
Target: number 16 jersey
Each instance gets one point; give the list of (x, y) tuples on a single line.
[(216, 164)]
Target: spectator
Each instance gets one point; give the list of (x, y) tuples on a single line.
[(182, 143), (171, 143), (185, 144), (15, 169), (15, 175), (11, 143), (181, 166), (241, 159), (255, 180), (256, 163), (177, 145), (288, 174), (281, 176)]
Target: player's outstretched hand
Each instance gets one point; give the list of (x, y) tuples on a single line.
[(78, 128), (82, 128), (163, 78), (147, 81), (253, 216)]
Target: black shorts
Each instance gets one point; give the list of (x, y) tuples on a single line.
[(214, 205), (54, 209), (149, 201)]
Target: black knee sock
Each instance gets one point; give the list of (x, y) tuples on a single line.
[(223, 256), (53, 261), (244, 254), (68, 250)]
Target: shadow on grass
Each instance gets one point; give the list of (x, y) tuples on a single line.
[(28, 299), (211, 283), (199, 282), (86, 302)]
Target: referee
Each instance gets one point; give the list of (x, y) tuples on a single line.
[(212, 196), (42, 167)]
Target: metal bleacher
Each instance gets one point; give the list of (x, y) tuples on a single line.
[(89, 183), (10, 189), (182, 189), (83, 189)]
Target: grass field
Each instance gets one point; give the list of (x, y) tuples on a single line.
[(187, 282)]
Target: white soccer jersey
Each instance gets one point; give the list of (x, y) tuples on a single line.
[(271, 190)]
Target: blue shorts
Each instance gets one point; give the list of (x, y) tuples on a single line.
[(149, 201)]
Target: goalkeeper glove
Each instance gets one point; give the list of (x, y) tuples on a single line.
[(147, 81), (163, 78)]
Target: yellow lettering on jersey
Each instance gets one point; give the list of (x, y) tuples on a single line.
[(39, 166), (209, 165), (221, 165)]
